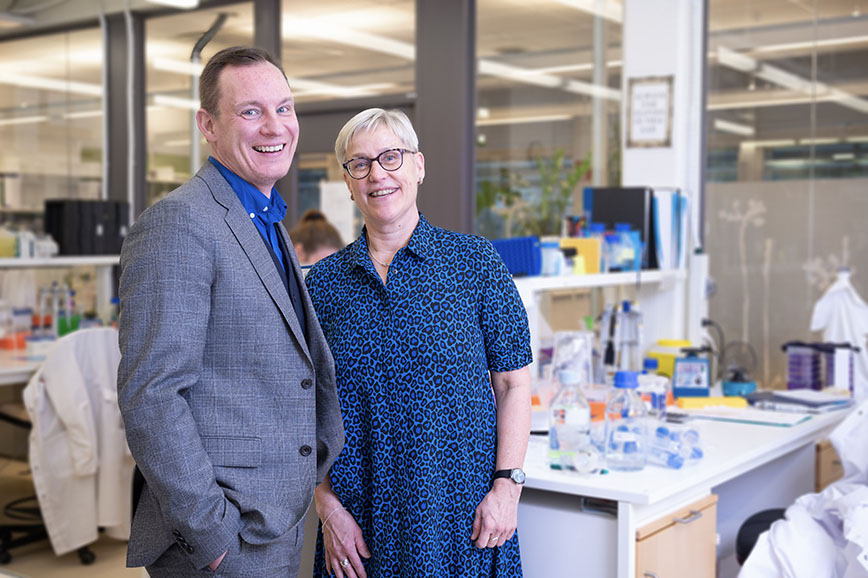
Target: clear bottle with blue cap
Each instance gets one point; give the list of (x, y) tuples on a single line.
[(570, 414), (626, 438), (655, 387)]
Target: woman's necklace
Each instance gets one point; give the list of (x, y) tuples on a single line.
[(377, 261)]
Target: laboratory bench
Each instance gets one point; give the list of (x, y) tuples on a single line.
[(664, 522)]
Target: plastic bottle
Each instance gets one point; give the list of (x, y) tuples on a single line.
[(570, 427), (552, 259), (626, 425), (655, 387), (623, 251), (598, 231), (673, 447)]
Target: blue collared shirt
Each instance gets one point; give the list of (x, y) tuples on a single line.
[(266, 213)]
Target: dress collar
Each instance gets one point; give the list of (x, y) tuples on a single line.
[(421, 243)]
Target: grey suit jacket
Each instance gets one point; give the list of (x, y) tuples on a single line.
[(231, 415)]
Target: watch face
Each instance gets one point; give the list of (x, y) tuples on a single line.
[(517, 476)]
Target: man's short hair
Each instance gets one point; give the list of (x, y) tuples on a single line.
[(209, 88)]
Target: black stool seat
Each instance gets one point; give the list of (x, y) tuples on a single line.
[(751, 529)]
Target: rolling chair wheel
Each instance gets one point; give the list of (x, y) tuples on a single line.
[(86, 556)]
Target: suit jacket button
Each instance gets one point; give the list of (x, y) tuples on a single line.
[(188, 548), (176, 533), (304, 450), (306, 383)]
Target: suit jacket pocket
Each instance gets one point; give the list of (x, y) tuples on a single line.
[(233, 452)]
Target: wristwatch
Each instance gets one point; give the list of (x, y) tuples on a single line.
[(515, 474)]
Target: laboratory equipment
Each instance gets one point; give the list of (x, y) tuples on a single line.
[(553, 262), (666, 351), (840, 365), (739, 359), (673, 446), (570, 414), (803, 365), (626, 425), (655, 388), (692, 374), (628, 335)]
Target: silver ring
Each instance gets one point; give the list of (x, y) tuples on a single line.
[(345, 562)]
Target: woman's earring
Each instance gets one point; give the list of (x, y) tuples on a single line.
[(420, 180)]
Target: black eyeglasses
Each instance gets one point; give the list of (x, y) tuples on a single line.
[(391, 160)]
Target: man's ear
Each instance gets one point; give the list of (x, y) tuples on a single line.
[(206, 124)]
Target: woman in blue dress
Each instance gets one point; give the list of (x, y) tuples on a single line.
[(431, 348)]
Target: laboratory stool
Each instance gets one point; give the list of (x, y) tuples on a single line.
[(751, 529)]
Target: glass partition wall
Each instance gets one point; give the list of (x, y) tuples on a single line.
[(787, 190), (50, 120), (548, 94), (175, 55)]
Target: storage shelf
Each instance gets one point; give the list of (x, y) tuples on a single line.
[(65, 261), (531, 284)]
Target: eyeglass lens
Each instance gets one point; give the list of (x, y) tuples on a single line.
[(390, 160)]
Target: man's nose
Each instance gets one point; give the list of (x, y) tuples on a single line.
[(270, 124)]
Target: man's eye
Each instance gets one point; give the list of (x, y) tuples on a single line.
[(250, 113), (284, 110)]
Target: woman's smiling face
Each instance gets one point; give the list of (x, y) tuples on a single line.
[(385, 197)]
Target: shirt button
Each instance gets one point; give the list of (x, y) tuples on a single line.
[(304, 450), (252, 215), (306, 383), (264, 208)]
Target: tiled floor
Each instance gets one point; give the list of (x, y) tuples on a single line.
[(37, 560)]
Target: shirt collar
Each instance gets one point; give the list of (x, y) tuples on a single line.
[(421, 242), (269, 210)]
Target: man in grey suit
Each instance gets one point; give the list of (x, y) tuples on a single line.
[(226, 383)]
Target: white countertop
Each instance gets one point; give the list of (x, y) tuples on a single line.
[(16, 367), (730, 449)]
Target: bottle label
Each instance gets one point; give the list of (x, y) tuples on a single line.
[(620, 437)]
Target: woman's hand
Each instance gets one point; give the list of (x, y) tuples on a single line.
[(496, 515), (342, 537), (344, 545)]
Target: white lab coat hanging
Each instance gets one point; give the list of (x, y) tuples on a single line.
[(842, 315), (82, 468)]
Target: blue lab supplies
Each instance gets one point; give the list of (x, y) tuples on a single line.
[(521, 255), (626, 425), (673, 447)]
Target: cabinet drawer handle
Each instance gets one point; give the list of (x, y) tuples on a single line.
[(694, 515), (649, 574)]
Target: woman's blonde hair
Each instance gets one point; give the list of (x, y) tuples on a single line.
[(372, 119)]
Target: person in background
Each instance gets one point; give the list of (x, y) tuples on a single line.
[(431, 347), (226, 383), (314, 237)]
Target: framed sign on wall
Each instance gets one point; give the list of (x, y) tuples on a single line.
[(649, 112)]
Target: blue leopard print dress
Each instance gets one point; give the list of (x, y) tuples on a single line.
[(412, 360)]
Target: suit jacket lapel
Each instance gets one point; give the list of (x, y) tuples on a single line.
[(251, 243)]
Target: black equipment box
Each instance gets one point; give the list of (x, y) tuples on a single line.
[(87, 227)]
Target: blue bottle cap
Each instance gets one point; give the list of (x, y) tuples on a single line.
[(597, 228), (626, 379), (625, 305), (650, 363), (622, 227)]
